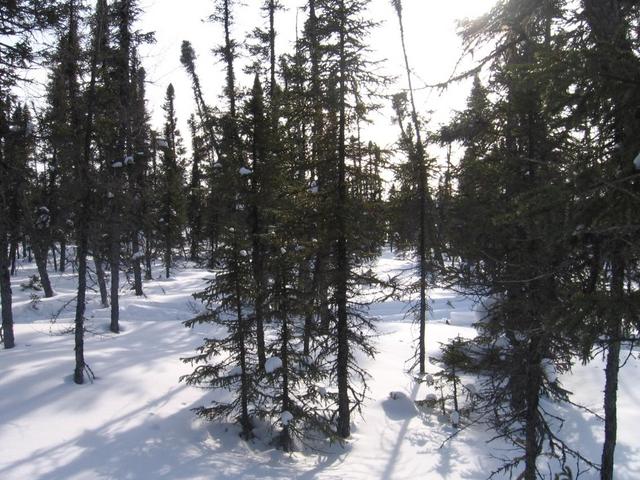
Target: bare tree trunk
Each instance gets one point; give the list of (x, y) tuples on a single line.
[(532, 420), (40, 254), (12, 256), (5, 291), (54, 256), (114, 263), (137, 271), (167, 252), (63, 254), (102, 284), (148, 274), (612, 370)]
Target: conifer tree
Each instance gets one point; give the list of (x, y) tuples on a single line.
[(141, 137), (417, 170), (510, 227), (345, 31), (228, 296), (83, 166), (609, 224), (196, 188), (171, 221), (19, 20)]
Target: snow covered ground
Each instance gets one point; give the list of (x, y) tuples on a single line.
[(134, 421)]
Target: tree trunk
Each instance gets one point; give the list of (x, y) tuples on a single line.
[(137, 271), (78, 373), (40, 255), (63, 254), (532, 419), (148, 272), (285, 435), (5, 292), (245, 420), (167, 254), (12, 256), (612, 370), (610, 405), (102, 284), (114, 263), (54, 256), (342, 262), (422, 195), (83, 164)]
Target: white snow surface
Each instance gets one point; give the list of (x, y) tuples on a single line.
[(135, 421), (455, 418), (272, 364), (286, 417)]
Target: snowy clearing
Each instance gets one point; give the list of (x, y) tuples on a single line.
[(134, 421)]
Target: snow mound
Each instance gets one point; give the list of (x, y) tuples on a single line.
[(399, 406), (455, 418)]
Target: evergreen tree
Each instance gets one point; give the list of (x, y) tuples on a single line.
[(19, 19), (196, 190), (510, 226), (608, 41), (172, 211), (84, 186), (228, 297)]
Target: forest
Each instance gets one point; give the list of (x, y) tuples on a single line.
[(279, 276)]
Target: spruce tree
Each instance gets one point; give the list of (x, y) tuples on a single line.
[(228, 297), (609, 230), (172, 210), (510, 226)]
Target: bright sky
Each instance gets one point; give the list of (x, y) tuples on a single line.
[(430, 28)]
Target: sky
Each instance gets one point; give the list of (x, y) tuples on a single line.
[(433, 46)]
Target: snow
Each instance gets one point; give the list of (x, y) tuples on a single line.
[(286, 417), (272, 364), (549, 369), (455, 418), (135, 421), (116, 165), (245, 171), (431, 397), (636, 162), (137, 255), (243, 253), (471, 388)]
